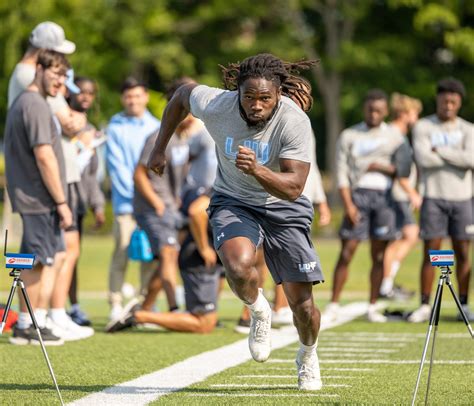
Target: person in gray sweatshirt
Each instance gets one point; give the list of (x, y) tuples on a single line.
[(365, 171), (444, 152)]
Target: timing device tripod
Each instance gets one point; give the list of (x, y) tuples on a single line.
[(18, 263), (442, 259)]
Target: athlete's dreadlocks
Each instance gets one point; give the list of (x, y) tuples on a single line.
[(270, 67)]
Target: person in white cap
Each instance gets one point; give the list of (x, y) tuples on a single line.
[(47, 35)]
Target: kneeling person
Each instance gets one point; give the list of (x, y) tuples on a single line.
[(200, 275)]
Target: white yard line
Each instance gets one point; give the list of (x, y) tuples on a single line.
[(373, 361), (293, 376), (289, 385), (147, 388), (292, 368), (262, 395), (393, 336), (347, 350)]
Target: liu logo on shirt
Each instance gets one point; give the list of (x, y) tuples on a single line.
[(261, 149)]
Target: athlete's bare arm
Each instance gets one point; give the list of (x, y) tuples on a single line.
[(176, 111), (287, 184)]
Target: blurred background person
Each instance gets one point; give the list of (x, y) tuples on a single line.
[(36, 181), (156, 209), (404, 111), (65, 327), (200, 270), (364, 178), (444, 152), (46, 35), (126, 135), (86, 142)]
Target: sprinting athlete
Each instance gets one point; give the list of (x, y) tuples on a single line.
[(263, 150)]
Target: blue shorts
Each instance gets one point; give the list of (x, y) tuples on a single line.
[(284, 229)]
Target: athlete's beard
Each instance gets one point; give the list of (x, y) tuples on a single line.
[(260, 124)]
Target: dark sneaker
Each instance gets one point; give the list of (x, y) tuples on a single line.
[(30, 336), (79, 317), (398, 293), (125, 320), (243, 326), (22, 336)]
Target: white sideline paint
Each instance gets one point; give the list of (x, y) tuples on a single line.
[(147, 388)]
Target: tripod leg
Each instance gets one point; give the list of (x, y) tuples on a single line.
[(458, 303), (43, 348), (436, 312), (428, 334), (9, 303)]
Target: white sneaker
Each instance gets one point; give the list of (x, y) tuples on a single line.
[(259, 337), (309, 374), (115, 311), (66, 329), (283, 316), (331, 312), (376, 317), (421, 314)]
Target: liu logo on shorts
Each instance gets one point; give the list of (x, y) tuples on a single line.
[(308, 267)]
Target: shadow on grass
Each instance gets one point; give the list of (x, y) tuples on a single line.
[(43, 386)]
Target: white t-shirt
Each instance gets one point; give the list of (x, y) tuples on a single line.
[(22, 76)]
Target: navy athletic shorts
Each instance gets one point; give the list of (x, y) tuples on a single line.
[(284, 229)]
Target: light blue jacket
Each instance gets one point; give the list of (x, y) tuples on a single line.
[(126, 137)]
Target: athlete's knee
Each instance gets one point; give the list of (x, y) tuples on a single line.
[(239, 267), (303, 309)]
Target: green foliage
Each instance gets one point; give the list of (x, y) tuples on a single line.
[(435, 18), (461, 42), (402, 45)]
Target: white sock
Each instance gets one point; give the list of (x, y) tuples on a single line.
[(75, 307), (307, 349), (394, 269), (24, 320), (260, 305), (58, 315), (372, 308), (387, 285), (40, 316)]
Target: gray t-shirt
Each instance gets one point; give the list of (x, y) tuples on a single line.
[(357, 148), (447, 172), (168, 186), (287, 135), (29, 124), (203, 160)]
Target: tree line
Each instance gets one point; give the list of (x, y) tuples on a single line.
[(396, 45)]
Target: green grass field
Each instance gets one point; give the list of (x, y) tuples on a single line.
[(393, 349)]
